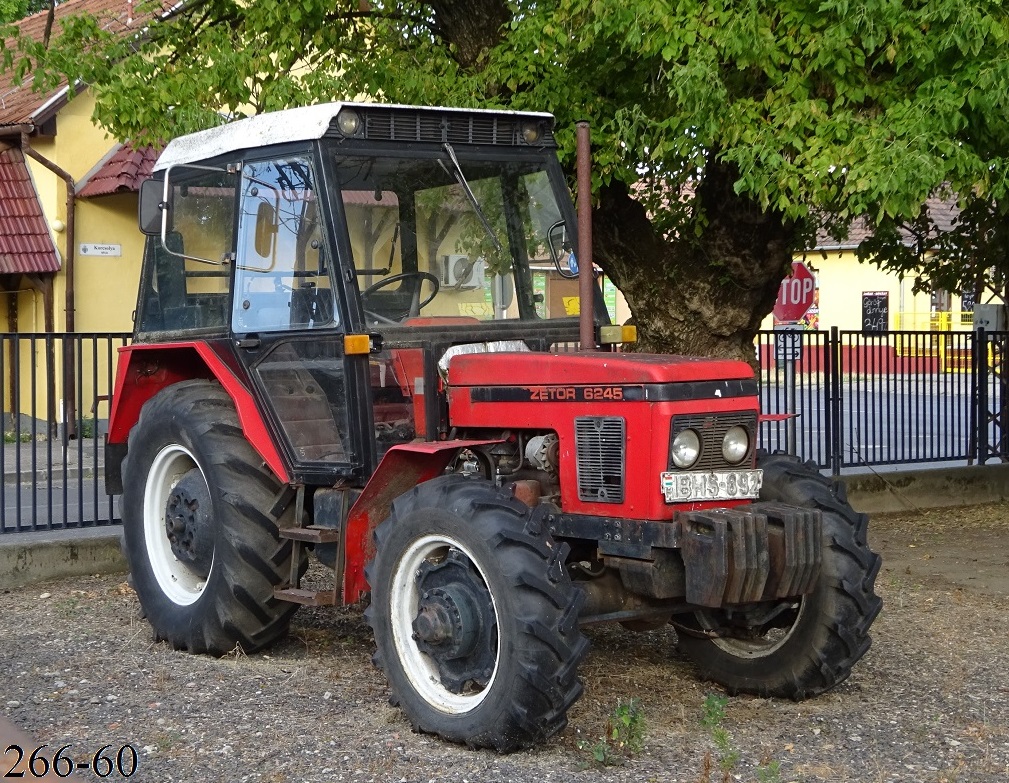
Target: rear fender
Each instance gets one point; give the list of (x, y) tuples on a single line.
[(144, 370), (402, 468)]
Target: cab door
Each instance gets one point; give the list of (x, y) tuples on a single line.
[(287, 321)]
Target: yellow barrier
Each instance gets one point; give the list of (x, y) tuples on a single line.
[(937, 321), (952, 355)]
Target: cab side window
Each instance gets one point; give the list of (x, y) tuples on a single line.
[(185, 283), (282, 276)]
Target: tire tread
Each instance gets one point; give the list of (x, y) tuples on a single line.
[(550, 646), (846, 604), (238, 607)]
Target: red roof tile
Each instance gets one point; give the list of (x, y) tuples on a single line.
[(943, 213), (25, 243), (18, 103), (122, 173)]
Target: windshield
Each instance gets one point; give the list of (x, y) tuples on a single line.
[(423, 246)]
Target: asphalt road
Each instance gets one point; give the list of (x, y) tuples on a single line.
[(902, 420), (40, 478)]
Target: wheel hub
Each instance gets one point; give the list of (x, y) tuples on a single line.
[(448, 617), (455, 622), (188, 522), (752, 633)]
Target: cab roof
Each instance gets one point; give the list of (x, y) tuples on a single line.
[(303, 123)]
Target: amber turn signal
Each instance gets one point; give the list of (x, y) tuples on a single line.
[(356, 343), (610, 335)]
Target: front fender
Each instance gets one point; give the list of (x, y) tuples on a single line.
[(402, 468)]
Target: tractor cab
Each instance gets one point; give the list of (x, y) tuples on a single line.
[(340, 257)]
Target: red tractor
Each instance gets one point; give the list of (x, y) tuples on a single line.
[(353, 338)]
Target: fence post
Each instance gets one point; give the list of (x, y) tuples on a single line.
[(828, 420), (981, 397), (833, 401), (52, 425)]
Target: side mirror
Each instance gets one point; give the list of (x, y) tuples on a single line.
[(502, 293), (154, 214), (266, 230), (561, 252)]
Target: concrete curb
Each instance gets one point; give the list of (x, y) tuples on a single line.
[(42, 475), (877, 493), (27, 558)]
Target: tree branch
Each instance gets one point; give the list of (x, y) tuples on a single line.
[(50, 16)]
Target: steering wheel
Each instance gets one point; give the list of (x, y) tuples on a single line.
[(415, 303)]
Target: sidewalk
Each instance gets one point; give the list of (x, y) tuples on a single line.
[(39, 461)]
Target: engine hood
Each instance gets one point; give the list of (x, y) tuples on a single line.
[(537, 369)]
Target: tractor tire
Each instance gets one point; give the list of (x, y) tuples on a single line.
[(813, 644), (203, 551), (474, 615)]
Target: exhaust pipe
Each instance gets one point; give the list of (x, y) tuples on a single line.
[(586, 322)]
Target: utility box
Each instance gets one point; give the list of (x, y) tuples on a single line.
[(991, 317)]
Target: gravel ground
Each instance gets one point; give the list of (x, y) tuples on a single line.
[(928, 703)]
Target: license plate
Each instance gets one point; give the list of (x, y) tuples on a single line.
[(716, 485)]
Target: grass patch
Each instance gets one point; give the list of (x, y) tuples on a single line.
[(726, 755), (623, 737)]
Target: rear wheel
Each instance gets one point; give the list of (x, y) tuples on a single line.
[(804, 646), (204, 554), (474, 615)]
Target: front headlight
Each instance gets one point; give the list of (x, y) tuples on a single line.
[(686, 449), (348, 121), (531, 132), (735, 445)]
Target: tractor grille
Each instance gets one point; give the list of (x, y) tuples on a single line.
[(600, 446), (436, 126), (712, 428)]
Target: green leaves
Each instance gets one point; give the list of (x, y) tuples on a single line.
[(826, 110)]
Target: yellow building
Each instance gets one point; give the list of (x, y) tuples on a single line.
[(84, 184), (859, 296), (70, 251)]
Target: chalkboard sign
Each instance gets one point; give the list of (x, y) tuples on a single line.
[(967, 301), (875, 311)]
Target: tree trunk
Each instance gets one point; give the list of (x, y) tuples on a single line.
[(698, 296), (470, 27)]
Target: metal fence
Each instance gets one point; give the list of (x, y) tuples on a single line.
[(56, 393), (848, 399), (843, 399)]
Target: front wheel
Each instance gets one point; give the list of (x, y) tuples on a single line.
[(474, 615), (204, 552), (805, 646)]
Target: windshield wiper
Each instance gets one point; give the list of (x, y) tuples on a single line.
[(461, 179)]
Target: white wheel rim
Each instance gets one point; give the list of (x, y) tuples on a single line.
[(755, 648), (180, 584), (404, 600)]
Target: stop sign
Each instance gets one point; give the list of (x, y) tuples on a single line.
[(795, 296)]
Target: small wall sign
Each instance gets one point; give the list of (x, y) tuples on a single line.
[(93, 249)]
